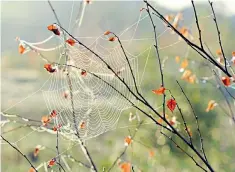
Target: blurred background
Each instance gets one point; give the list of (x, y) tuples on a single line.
[(23, 76)]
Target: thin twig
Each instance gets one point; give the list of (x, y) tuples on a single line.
[(197, 164), (198, 26), (218, 32), (20, 153), (124, 151), (159, 62), (198, 49), (196, 118)]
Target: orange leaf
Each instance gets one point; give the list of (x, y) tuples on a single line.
[(159, 91), (177, 59), (54, 29), (82, 125), (218, 52), (45, 120), (226, 81), (233, 53), (171, 104), (128, 140), (31, 169), (107, 32), (21, 49), (126, 167), (70, 41), (186, 74), (211, 105), (184, 64), (49, 68), (151, 153), (112, 39)]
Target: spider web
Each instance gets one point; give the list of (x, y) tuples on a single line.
[(96, 103)]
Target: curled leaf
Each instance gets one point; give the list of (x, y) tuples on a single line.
[(171, 104), (211, 105), (45, 120), (50, 68), (82, 125), (112, 39), (71, 41), (54, 29), (159, 91)]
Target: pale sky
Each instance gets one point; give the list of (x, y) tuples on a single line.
[(226, 7)]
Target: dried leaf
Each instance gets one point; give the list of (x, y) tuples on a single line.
[(128, 140), (71, 41), (21, 49), (126, 167), (159, 91), (112, 39), (211, 105), (49, 68), (54, 29), (107, 32)]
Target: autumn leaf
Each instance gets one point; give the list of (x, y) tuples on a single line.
[(31, 169), (159, 91), (226, 81), (83, 73), (211, 105), (128, 140), (126, 167), (112, 39), (177, 59), (151, 153), (107, 32), (233, 57), (184, 64), (171, 104), (71, 41), (45, 120), (82, 125), (49, 68), (51, 162), (54, 29), (21, 49)]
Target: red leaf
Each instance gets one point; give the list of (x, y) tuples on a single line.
[(171, 104), (226, 81), (70, 41)]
